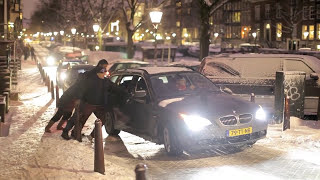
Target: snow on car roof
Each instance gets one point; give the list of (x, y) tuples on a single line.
[(80, 66), (130, 61), (158, 70), (310, 60)]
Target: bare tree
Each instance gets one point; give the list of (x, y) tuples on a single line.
[(206, 10)]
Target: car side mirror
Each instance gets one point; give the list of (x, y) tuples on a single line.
[(140, 94), (314, 76)]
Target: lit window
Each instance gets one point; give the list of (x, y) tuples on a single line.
[(178, 23), (279, 31), (311, 32), (318, 31), (304, 32)]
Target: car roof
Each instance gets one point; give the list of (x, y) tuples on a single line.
[(124, 61), (81, 66), (310, 60), (159, 70)]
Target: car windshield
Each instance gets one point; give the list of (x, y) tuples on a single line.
[(181, 83)]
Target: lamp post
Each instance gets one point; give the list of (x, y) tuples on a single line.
[(97, 30), (254, 35), (306, 34), (215, 37), (73, 31), (155, 17), (62, 37)]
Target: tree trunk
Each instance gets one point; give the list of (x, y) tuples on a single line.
[(204, 43), (130, 49)]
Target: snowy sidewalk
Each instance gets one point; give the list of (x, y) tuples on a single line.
[(29, 153)]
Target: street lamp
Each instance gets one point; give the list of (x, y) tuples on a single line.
[(155, 17), (215, 37), (254, 35), (62, 37), (306, 34), (97, 29), (73, 31)]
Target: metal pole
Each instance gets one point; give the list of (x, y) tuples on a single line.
[(98, 148), (140, 171), (57, 95), (252, 97), (169, 53), (155, 44), (100, 39), (5, 29), (286, 118)]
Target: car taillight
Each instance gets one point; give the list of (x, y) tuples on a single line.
[(108, 74)]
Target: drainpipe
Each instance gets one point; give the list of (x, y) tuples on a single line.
[(5, 29)]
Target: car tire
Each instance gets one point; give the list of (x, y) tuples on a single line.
[(109, 125), (170, 142)]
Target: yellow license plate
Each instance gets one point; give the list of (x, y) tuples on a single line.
[(239, 132)]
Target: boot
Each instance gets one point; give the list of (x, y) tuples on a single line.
[(65, 135), (49, 125), (62, 121)]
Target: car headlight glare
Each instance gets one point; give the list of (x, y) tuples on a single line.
[(63, 76), (194, 122), (260, 114), (50, 60)]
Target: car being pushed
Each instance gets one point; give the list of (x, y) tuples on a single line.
[(63, 66), (72, 74), (183, 110)]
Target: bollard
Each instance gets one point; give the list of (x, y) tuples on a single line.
[(252, 98), (52, 90), (318, 113), (48, 83), (140, 171), (57, 95), (286, 114), (98, 148)]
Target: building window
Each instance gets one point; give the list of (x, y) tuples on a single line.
[(318, 31), (178, 23), (318, 11), (257, 12), (311, 32), (267, 11), (178, 4), (228, 32), (312, 12), (305, 12), (278, 10), (304, 32), (279, 31), (236, 17), (189, 11), (245, 31)]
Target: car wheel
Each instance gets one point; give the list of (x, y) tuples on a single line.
[(170, 143), (109, 125)]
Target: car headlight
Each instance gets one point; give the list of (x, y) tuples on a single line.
[(260, 114), (194, 122), (50, 60), (63, 76)]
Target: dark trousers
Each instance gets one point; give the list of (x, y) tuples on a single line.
[(61, 113), (84, 111)]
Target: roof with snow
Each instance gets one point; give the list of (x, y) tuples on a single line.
[(159, 70)]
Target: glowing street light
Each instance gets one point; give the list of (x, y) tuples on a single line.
[(155, 17), (73, 31), (97, 30)]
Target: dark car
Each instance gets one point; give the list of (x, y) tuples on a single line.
[(256, 73), (126, 64), (194, 65), (72, 74), (183, 110), (63, 66)]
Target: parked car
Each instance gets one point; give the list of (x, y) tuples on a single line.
[(72, 74), (183, 110), (256, 73), (126, 64), (63, 66)]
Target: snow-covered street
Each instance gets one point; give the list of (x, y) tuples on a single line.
[(30, 153)]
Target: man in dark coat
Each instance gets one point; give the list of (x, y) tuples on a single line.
[(66, 105), (95, 91)]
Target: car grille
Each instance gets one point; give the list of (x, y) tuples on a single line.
[(232, 120), (228, 120), (245, 118)]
